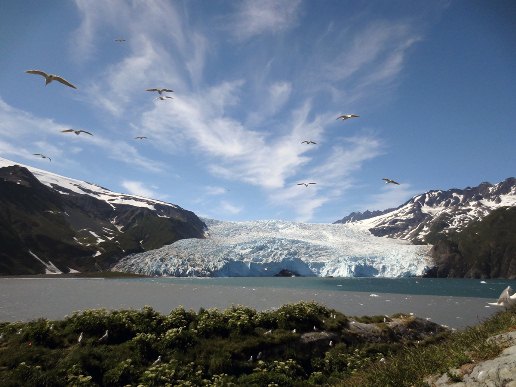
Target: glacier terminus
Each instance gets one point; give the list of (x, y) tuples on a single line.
[(264, 248)]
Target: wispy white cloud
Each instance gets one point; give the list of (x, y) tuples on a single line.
[(226, 207), (23, 134), (213, 191), (138, 188), (253, 18), (208, 120), (161, 50), (390, 197)]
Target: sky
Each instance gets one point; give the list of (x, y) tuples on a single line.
[(433, 83)]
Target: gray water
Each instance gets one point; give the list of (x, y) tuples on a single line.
[(456, 303)]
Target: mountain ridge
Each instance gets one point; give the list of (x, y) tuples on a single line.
[(50, 223), (437, 211)]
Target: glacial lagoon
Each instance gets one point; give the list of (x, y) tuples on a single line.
[(454, 302)]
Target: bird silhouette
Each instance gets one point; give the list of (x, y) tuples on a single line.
[(42, 156), (390, 181), (347, 116), (140, 138), (77, 132), (308, 142), (305, 184), (51, 77), (119, 40), (161, 91), (79, 340)]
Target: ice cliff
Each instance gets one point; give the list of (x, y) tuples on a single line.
[(264, 248)]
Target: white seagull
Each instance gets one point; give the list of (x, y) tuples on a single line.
[(104, 337), (308, 142), (505, 298), (390, 181), (347, 116), (157, 361), (50, 77), (77, 132), (305, 184), (140, 138), (161, 91), (80, 338), (42, 156)]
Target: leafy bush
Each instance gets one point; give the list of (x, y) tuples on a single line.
[(302, 316)]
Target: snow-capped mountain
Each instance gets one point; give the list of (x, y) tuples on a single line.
[(425, 215), (265, 248), (51, 223)]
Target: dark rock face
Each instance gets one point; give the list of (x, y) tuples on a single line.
[(484, 249), (78, 231), (286, 273)]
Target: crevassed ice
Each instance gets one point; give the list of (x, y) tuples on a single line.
[(263, 248)]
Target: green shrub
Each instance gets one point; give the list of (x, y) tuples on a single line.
[(122, 374), (179, 317), (211, 322), (302, 316)]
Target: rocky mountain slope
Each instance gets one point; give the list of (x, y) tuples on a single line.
[(486, 248), (426, 217), (49, 223)]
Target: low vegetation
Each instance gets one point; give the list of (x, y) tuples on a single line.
[(299, 344)]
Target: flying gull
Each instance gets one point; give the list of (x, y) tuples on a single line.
[(161, 91), (347, 116), (77, 132), (305, 184), (390, 181), (140, 138), (120, 40), (42, 156), (51, 77), (308, 142), (161, 97)]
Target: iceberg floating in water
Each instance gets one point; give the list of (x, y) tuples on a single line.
[(264, 248)]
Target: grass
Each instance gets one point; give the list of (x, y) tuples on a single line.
[(235, 347), (412, 364)]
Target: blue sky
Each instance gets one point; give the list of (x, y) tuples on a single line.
[(433, 82)]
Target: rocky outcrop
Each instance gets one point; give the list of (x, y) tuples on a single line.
[(500, 371)]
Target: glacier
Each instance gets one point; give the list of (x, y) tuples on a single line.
[(264, 248)]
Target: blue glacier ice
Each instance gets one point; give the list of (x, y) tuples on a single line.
[(263, 248)]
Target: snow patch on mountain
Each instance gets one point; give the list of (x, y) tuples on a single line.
[(454, 209), (65, 185), (264, 248)]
